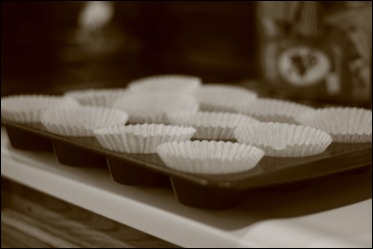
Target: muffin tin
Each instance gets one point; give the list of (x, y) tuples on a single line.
[(201, 191)]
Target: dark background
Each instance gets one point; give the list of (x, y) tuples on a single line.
[(40, 52)]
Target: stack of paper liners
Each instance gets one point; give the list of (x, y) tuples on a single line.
[(223, 98), (165, 83), (153, 107)]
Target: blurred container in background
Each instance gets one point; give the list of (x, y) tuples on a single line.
[(311, 50), (317, 50), (54, 46)]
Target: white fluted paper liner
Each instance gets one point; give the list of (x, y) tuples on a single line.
[(82, 121), (209, 157), (284, 140), (153, 107), (211, 125), (274, 110), (224, 98), (344, 124), (165, 83), (141, 138), (97, 97), (27, 108)]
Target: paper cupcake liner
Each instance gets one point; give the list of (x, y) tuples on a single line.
[(81, 122), (284, 140), (223, 98), (97, 97), (28, 108), (142, 138), (274, 110), (153, 107), (211, 125), (166, 83), (209, 157), (344, 124)]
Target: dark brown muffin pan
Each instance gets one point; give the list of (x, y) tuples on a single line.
[(197, 190)]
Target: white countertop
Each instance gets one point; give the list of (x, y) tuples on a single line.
[(331, 212)]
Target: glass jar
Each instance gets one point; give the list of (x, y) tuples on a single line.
[(317, 50)]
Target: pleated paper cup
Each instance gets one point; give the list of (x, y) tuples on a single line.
[(28, 108), (82, 121), (141, 138), (344, 124), (153, 107), (97, 97), (223, 98), (284, 140), (211, 125), (209, 157), (166, 83), (275, 110)]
